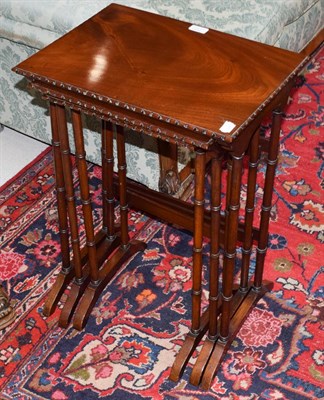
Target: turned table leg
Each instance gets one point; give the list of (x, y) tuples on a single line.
[(267, 198), (108, 199), (232, 210), (230, 246), (124, 248), (213, 310), (123, 206), (85, 196), (67, 272), (216, 205), (247, 295), (95, 264), (79, 278), (226, 313), (254, 154), (199, 323)]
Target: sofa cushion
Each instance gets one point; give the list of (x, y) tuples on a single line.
[(36, 23)]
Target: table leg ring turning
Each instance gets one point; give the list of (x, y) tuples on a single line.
[(229, 304), (93, 266)]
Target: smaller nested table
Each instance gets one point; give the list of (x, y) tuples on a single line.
[(189, 86)]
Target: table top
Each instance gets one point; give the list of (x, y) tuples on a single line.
[(210, 83)]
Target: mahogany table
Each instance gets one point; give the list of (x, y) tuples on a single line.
[(186, 85)]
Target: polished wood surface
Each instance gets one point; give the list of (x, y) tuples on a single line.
[(206, 91), (159, 68)]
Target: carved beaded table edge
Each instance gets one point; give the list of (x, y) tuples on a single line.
[(177, 82)]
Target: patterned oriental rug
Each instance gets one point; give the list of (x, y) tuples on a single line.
[(128, 346)]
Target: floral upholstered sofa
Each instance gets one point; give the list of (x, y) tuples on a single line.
[(28, 25)]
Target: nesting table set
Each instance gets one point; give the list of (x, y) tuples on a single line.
[(182, 84)]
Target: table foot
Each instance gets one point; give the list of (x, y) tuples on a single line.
[(214, 350), (65, 277), (104, 248), (250, 299), (202, 360), (190, 343), (209, 343), (61, 283), (109, 269), (74, 296)]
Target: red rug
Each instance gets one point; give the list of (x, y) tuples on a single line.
[(134, 332)]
